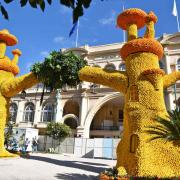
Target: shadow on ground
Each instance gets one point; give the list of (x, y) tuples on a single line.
[(92, 167), (76, 177)]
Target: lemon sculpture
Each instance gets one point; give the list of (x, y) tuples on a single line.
[(9, 84), (142, 85)]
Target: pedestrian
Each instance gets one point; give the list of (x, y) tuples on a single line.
[(34, 145), (26, 144)]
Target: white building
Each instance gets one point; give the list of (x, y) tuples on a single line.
[(91, 110)]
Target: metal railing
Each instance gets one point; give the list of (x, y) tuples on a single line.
[(111, 128)]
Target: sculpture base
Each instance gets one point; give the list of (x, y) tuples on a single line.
[(7, 154)]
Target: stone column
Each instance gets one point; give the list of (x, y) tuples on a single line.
[(20, 111), (59, 108), (170, 105), (83, 112), (80, 131), (167, 61), (169, 99), (37, 113)]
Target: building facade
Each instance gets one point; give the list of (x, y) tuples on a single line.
[(91, 110)]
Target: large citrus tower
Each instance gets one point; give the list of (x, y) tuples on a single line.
[(142, 85), (9, 85)]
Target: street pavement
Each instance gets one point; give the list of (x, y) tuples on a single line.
[(41, 166)]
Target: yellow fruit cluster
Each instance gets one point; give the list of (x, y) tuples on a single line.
[(9, 85), (142, 84)]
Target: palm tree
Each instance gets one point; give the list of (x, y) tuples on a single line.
[(166, 128)]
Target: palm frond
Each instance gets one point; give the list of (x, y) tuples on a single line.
[(154, 132), (167, 128), (159, 128), (156, 137)]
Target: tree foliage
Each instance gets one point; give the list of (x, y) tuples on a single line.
[(58, 131), (77, 6), (59, 69), (167, 129), (9, 132)]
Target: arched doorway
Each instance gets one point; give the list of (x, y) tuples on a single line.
[(107, 122), (72, 121), (105, 117)]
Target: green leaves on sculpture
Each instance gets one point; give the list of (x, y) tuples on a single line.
[(167, 129), (59, 69)]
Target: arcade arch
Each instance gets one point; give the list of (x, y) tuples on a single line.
[(71, 115), (106, 114)]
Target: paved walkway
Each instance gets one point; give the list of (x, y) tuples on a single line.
[(52, 167)]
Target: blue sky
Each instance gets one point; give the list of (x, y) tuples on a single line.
[(40, 33)]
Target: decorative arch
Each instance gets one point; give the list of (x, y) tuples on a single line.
[(71, 107), (71, 116), (95, 109)]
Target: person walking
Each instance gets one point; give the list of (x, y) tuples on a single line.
[(34, 145)]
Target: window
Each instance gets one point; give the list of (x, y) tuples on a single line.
[(122, 67), (134, 141), (178, 64), (47, 113), (120, 115), (173, 67), (29, 112), (13, 112), (110, 66), (134, 93), (161, 65)]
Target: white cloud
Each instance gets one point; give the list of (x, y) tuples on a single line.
[(58, 39), (94, 40), (44, 53), (28, 66), (65, 10), (84, 18), (109, 20), (63, 41)]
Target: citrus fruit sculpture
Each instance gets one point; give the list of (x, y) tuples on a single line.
[(142, 85), (9, 84)]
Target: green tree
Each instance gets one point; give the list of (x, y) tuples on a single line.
[(77, 6), (9, 132), (59, 69), (168, 128), (58, 131)]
